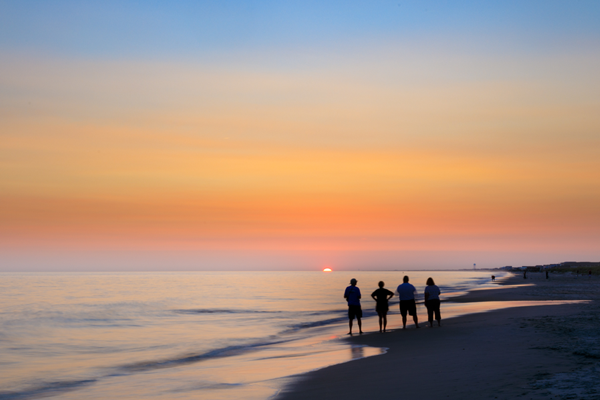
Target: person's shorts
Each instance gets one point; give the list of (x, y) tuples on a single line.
[(354, 311), (408, 306), (381, 308)]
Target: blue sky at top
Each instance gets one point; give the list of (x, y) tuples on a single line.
[(154, 29)]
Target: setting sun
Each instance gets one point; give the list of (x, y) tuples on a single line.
[(327, 269)]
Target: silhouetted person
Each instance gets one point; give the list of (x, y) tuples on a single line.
[(590, 274), (406, 291), (546, 274), (493, 278), (352, 295), (382, 296), (432, 302), (525, 274)]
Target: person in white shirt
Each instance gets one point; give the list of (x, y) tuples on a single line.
[(432, 302), (406, 292)]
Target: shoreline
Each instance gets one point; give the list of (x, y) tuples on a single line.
[(527, 352)]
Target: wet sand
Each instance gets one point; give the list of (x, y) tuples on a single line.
[(538, 352)]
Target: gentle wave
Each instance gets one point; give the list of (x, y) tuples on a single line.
[(46, 389), (324, 322), (55, 388), (238, 311), (224, 311), (228, 351)]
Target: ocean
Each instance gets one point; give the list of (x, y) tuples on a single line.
[(187, 335)]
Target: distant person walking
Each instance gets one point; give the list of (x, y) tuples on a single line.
[(590, 274), (382, 296), (432, 302), (352, 295), (546, 274), (406, 291), (524, 274)]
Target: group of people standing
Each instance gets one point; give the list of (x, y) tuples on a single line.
[(408, 306)]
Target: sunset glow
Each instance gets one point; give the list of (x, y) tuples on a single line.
[(267, 149), (326, 269)]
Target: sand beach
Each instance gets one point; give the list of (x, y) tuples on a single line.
[(532, 352)]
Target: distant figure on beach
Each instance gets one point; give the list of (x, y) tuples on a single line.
[(524, 274), (432, 302), (493, 278), (546, 274), (590, 274), (382, 296), (352, 295), (406, 291)]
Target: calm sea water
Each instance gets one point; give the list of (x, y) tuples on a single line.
[(184, 335)]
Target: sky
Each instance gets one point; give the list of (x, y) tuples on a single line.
[(247, 135)]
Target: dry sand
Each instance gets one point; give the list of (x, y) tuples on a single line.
[(541, 352)]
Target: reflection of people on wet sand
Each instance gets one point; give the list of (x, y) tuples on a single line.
[(382, 296), (406, 291), (352, 295), (432, 302), (357, 352)]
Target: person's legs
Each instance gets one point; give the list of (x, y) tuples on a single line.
[(429, 312), (438, 316), (413, 312), (384, 321), (359, 325), (403, 312), (350, 323), (380, 322)]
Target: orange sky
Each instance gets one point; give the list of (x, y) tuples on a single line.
[(324, 161)]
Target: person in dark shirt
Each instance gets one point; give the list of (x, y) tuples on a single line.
[(352, 295), (432, 302), (382, 296)]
